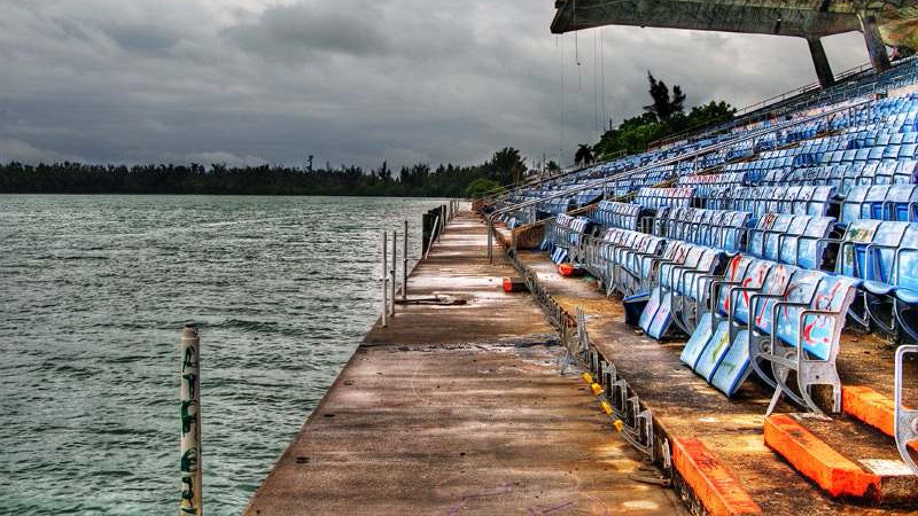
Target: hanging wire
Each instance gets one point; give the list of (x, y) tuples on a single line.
[(577, 60), (602, 74), (595, 85), (561, 138), (577, 48)]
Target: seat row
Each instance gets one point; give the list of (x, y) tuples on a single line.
[(775, 319), (721, 229), (622, 215), (655, 198), (781, 317), (883, 202), (844, 177), (769, 307), (798, 200), (704, 184), (566, 233)]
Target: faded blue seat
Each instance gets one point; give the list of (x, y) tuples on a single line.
[(805, 328), (618, 214), (676, 278), (882, 255)]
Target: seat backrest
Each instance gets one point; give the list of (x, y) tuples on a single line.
[(906, 273), (564, 220), (612, 235), (693, 257), (881, 253), (787, 252), (851, 257), (810, 250), (754, 278), (732, 239), (711, 234), (675, 250), (818, 204), (875, 200), (630, 239), (797, 200), (819, 333), (776, 284), (898, 201), (780, 226), (651, 244), (756, 244), (853, 206), (736, 269)]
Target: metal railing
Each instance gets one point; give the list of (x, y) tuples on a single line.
[(502, 191), (631, 417), (739, 118), (601, 183)]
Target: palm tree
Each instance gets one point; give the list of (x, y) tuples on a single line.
[(584, 155)]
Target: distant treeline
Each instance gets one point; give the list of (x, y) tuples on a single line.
[(506, 166)]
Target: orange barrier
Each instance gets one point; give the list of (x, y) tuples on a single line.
[(817, 460), (715, 486), (871, 407)]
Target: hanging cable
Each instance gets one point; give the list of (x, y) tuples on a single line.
[(577, 60), (561, 140), (577, 48), (595, 86), (602, 74)]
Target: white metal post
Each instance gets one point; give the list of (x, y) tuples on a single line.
[(190, 395), (383, 279), (392, 272), (436, 224), (405, 264)]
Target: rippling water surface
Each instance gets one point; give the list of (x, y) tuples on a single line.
[(94, 291)]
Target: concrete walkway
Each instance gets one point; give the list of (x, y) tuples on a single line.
[(460, 409)]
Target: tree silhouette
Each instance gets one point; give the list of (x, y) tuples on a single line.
[(664, 106), (507, 165), (584, 155)]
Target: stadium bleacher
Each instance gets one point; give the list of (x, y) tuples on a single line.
[(761, 242)]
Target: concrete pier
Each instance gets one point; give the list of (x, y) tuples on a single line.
[(461, 407)]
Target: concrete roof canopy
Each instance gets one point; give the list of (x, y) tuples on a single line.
[(883, 22)]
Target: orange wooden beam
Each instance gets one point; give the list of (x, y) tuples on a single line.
[(817, 460), (712, 482)]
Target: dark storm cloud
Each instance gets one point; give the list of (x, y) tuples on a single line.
[(251, 81), (297, 32)]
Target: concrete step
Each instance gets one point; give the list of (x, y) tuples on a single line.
[(844, 457), (873, 408)]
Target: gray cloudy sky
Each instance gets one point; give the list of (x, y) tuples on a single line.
[(350, 81)]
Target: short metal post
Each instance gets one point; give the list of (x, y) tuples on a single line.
[(405, 264), (433, 236), (383, 279), (190, 395), (490, 240), (443, 223), (392, 272)]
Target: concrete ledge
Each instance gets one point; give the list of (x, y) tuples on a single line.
[(818, 461), (871, 407), (714, 485)]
